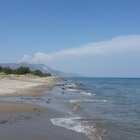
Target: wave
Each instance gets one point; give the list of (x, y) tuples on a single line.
[(87, 93), (77, 124), (72, 85), (87, 100), (70, 89)]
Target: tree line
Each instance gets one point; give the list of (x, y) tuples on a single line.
[(22, 71)]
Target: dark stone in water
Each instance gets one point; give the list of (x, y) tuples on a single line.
[(63, 88), (48, 102)]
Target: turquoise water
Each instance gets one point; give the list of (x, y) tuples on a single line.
[(114, 106)]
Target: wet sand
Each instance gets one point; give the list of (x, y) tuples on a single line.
[(32, 126), (12, 107)]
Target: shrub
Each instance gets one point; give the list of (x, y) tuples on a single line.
[(40, 73), (22, 70), (37, 73), (7, 70)]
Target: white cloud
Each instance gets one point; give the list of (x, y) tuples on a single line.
[(114, 45)]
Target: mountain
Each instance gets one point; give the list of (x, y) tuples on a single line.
[(41, 67)]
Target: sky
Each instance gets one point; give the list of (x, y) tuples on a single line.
[(98, 38)]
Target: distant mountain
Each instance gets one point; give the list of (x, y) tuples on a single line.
[(41, 67)]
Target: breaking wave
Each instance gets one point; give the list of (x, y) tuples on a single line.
[(87, 93), (77, 124)]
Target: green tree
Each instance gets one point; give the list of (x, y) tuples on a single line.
[(22, 70)]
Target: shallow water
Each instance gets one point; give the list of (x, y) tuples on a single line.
[(113, 105)]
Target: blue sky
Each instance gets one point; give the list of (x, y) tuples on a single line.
[(90, 37)]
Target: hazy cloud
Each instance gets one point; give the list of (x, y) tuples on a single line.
[(114, 45)]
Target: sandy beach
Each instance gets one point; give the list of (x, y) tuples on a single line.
[(29, 121), (21, 85), (13, 85)]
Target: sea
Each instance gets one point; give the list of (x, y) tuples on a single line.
[(101, 108), (98, 108)]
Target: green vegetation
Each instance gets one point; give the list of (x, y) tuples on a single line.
[(40, 73), (7, 70), (22, 71)]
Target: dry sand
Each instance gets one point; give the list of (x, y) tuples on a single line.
[(11, 85)]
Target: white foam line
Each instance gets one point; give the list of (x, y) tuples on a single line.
[(87, 93), (77, 124), (69, 89), (88, 100)]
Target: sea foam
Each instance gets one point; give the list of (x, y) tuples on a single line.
[(77, 124), (69, 89), (87, 93), (87, 100)]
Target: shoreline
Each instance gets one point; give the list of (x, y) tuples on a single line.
[(35, 126), (31, 121)]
